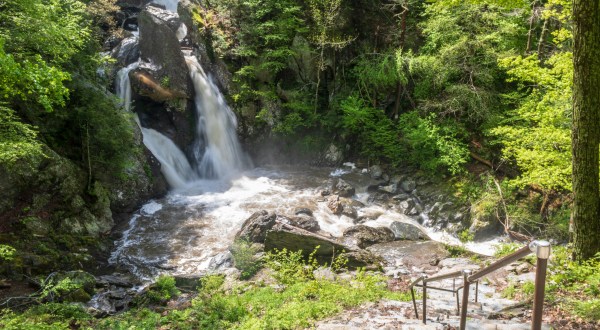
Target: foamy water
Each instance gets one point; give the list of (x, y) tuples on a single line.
[(184, 231)]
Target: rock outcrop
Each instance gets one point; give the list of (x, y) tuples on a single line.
[(164, 75), (407, 231), (256, 226), (363, 236)]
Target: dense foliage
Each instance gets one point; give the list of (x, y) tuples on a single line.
[(49, 85)]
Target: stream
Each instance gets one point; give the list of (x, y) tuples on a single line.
[(189, 231), (215, 188)]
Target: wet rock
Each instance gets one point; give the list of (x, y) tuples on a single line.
[(187, 282), (350, 207), (142, 181), (165, 77), (376, 172), (127, 52), (333, 156), (485, 227), (334, 204), (369, 216), (401, 197), (363, 236), (117, 280), (411, 207), (397, 179), (303, 210), (221, 261), (343, 188), (408, 185), (306, 222), (407, 231), (256, 226), (390, 189), (101, 305)]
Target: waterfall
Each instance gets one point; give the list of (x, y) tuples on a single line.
[(123, 86), (217, 152), (174, 165), (170, 5)]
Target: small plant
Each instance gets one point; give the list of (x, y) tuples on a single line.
[(7, 252), (466, 236), (245, 258), (589, 310), (165, 82), (504, 249), (163, 289), (456, 250), (291, 267)]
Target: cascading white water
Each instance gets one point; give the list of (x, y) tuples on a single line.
[(123, 85), (222, 155), (170, 5), (174, 165)]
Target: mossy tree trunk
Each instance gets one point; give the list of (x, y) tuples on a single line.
[(586, 128)]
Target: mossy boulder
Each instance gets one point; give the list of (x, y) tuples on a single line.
[(73, 286)]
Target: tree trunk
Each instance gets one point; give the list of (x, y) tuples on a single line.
[(586, 128)]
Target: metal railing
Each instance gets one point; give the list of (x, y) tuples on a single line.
[(540, 248)]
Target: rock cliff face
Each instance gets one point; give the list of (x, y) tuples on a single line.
[(164, 74)]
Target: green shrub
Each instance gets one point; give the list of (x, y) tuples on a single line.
[(291, 267), (244, 258), (433, 144), (589, 310), (162, 290)]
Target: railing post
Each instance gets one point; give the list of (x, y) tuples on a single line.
[(465, 299), (542, 251), (412, 293), (424, 299)]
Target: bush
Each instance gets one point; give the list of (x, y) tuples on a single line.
[(245, 259), (162, 290)]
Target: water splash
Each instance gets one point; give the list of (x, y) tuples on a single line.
[(174, 165), (217, 152)]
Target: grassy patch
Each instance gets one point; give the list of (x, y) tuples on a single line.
[(297, 300)]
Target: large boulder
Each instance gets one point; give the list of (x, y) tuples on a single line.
[(362, 236), (407, 231), (165, 74), (73, 286), (54, 192), (343, 188), (142, 180), (256, 226), (334, 204), (294, 239), (301, 220), (408, 185)]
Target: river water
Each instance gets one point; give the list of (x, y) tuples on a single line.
[(215, 189), (193, 226)]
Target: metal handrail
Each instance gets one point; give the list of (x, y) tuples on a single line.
[(542, 251)]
